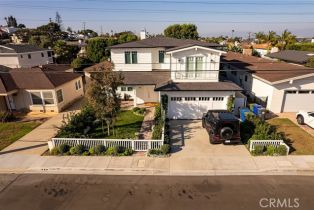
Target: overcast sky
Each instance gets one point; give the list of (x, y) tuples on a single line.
[(213, 17)]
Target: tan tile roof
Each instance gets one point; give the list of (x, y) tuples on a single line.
[(266, 69)]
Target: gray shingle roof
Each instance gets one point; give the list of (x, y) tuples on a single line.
[(19, 48), (198, 86), (294, 56), (165, 42)]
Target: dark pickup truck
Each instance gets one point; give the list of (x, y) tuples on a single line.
[(222, 127)]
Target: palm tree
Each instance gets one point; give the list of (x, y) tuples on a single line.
[(286, 38), (272, 37), (261, 37)]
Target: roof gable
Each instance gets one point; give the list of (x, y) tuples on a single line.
[(19, 48)]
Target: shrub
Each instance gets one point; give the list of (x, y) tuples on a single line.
[(112, 151), (128, 152), (55, 151), (77, 150), (157, 131), (281, 150), (63, 148), (270, 150), (140, 111), (157, 112), (99, 149), (165, 149), (135, 109), (154, 152), (6, 116), (92, 151), (86, 153), (258, 150), (78, 125)]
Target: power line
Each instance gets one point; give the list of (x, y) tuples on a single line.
[(176, 21), (210, 2), (113, 10)]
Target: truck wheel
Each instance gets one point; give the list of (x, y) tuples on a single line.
[(226, 133), (300, 120)]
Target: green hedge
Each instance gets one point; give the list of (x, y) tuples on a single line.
[(269, 150), (98, 150)]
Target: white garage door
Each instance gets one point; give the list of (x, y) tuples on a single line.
[(298, 100), (193, 107)]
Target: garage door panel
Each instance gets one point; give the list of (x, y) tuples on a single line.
[(298, 100), (179, 108)]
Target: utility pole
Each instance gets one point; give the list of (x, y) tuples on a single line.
[(101, 30), (250, 36), (232, 32), (84, 23)]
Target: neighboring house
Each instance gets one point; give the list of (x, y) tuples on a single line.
[(187, 71), (8, 30), (284, 87), (292, 56), (24, 55), (37, 90)]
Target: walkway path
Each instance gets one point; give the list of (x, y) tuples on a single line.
[(148, 122), (35, 142)]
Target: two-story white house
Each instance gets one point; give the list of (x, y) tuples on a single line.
[(24, 56), (187, 71)]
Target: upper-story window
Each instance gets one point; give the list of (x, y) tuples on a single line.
[(161, 56), (130, 57), (42, 55), (29, 56), (194, 63), (49, 54)]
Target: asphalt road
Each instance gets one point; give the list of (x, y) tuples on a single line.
[(88, 192)]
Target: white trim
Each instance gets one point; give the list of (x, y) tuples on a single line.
[(293, 78), (196, 47)]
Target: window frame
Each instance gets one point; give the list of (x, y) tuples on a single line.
[(161, 56), (44, 99), (57, 96), (40, 98), (29, 56)]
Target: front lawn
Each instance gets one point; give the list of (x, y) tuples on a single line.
[(127, 126), (12, 131), (302, 143)]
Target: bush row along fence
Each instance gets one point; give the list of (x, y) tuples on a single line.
[(135, 145), (275, 143)]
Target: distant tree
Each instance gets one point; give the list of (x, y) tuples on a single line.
[(64, 53), (11, 21), (96, 49), (127, 37), (21, 25), (301, 47), (310, 62), (182, 31), (261, 37), (89, 33), (286, 38), (102, 95), (80, 63), (69, 29)]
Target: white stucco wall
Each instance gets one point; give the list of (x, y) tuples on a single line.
[(279, 91), (211, 61), (144, 59), (21, 60)]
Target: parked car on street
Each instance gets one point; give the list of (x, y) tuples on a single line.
[(307, 118), (222, 126)]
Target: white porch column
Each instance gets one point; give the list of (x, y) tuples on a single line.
[(134, 96)]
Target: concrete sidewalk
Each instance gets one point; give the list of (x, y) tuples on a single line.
[(137, 165)]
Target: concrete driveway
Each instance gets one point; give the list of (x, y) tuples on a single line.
[(190, 139)]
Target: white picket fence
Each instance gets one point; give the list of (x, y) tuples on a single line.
[(275, 143), (135, 145)]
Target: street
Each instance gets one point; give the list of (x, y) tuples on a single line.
[(45, 192)]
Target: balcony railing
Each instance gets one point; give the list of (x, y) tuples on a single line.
[(195, 75)]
